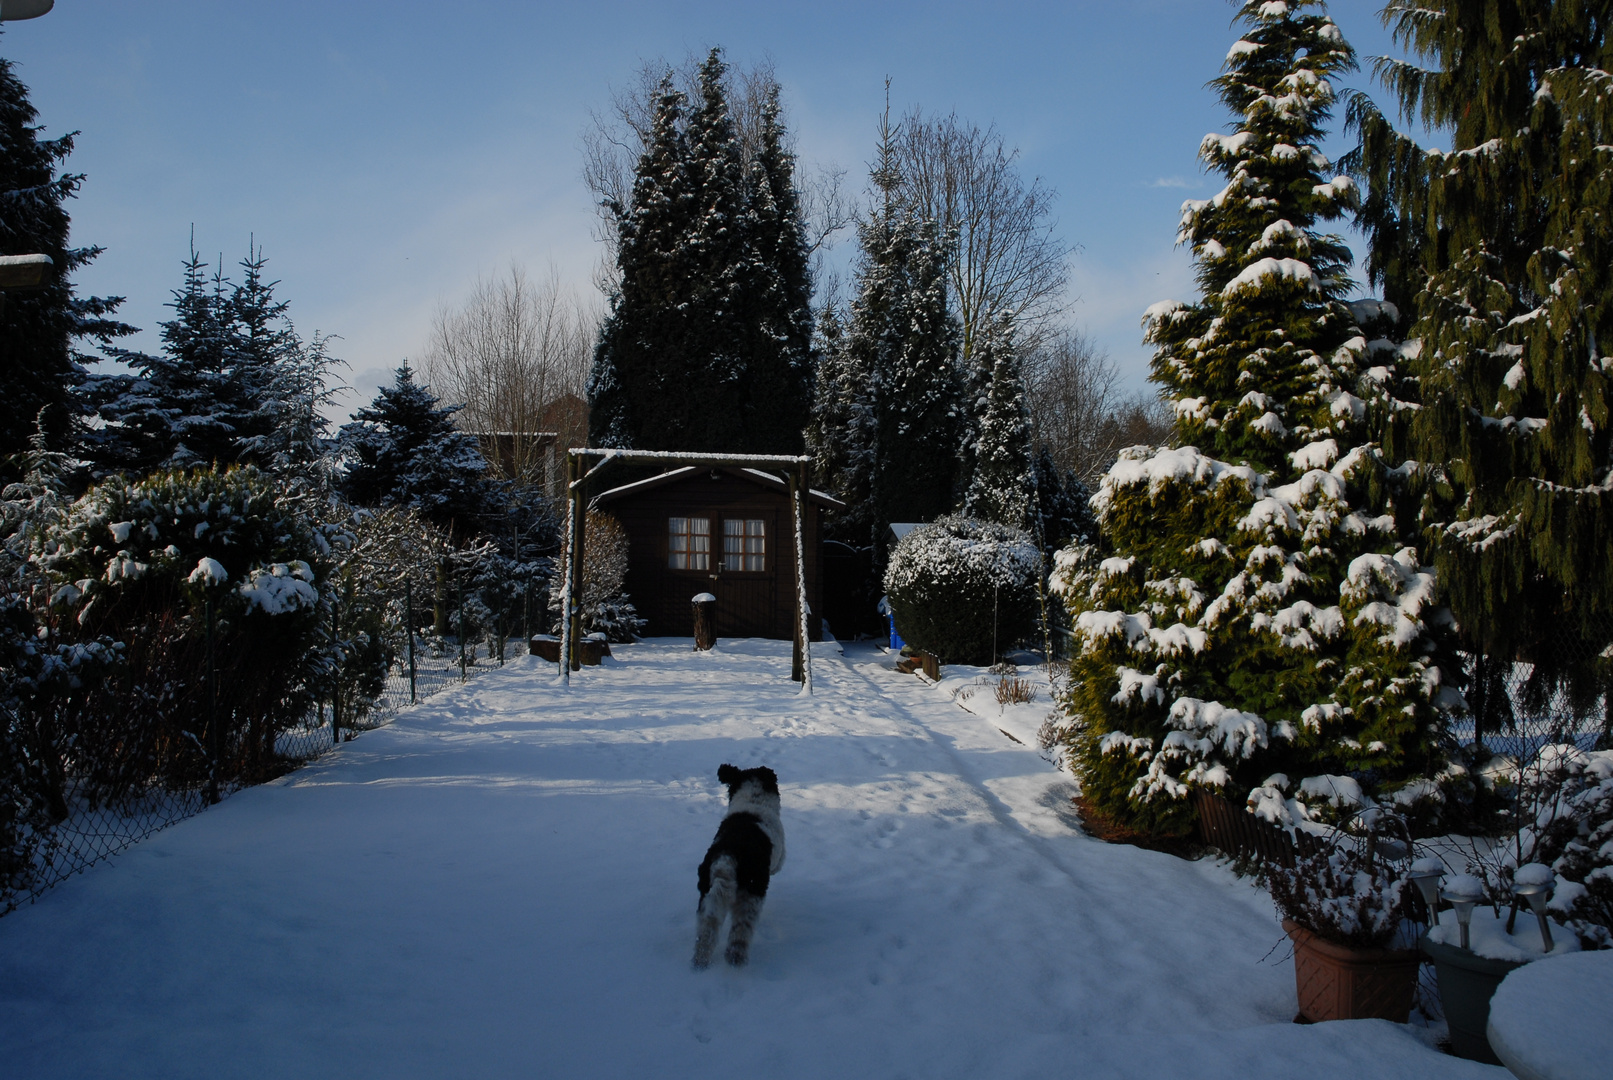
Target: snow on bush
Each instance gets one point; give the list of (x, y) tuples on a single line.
[(960, 588), (1340, 895), (158, 564)]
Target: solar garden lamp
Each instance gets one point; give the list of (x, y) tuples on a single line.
[(1426, 873), (1463, 892), (1530, 883)]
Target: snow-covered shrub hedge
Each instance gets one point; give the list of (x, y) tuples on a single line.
[(606, 609), (142, 562), (960, 588)]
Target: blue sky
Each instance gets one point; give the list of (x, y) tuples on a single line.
[(384, 155)]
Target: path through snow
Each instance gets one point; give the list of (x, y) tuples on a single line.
[(502, 883)]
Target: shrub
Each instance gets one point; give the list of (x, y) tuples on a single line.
[(1340, 895), (141, 562), (963, 589)]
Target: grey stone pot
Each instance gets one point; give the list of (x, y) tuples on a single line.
[(1467, 981)]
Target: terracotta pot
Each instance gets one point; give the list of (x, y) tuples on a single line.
[(1467, 981), (1341, 982)]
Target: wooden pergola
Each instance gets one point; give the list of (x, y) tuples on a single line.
[(584, 465)]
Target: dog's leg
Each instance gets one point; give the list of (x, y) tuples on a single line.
[(747, 910), (714, 907)]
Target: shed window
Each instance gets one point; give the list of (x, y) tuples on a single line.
[(744, 544), (690, 546)]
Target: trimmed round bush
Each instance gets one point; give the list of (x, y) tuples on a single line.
[(958, 585)]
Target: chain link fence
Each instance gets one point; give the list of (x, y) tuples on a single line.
[(409, 658)]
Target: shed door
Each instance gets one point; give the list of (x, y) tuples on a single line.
[(737, 561)]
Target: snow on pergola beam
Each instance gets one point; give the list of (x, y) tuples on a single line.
[(792, 466)]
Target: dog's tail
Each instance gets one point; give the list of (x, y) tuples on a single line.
[(715, 905)]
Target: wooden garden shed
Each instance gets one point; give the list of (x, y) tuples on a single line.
[(728, 531)]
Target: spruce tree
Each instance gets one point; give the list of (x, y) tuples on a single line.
[(999, 449), (1500, 250), (40, 367), (405, 451), (228, 381), (1262, 608)]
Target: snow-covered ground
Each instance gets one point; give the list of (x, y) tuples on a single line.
[(502, 883)]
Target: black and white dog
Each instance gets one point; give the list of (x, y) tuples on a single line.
[(748, 850)]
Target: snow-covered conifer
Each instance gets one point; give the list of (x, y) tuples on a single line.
[(1262, 607), (40, 368), (903, 335), (999, 449), (840, 432), (406, 451)]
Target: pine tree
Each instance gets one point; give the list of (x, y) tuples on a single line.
[(1060, 510), (1263, 608), (1500, 251), (39, 365), (405, 451), (999, 459)]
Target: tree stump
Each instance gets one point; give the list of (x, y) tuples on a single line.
[(705, 621)]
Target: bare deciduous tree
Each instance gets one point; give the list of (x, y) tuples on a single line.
[(506, 355), (1009, 258), (617, 136), (1078, 411)]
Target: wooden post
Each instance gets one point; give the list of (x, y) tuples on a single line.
[(579, 504), (566, 586), (800, 662)]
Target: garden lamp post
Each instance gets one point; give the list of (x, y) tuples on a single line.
[(16, 10), (1463, 893), (1425, 874), (1530, 883)]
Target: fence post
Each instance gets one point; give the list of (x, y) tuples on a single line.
[(408, 628), (526, 616), (336, 681), (498, 627), (212, 706), (459, 598)]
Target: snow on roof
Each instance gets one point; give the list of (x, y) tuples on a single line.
[(819, 497)]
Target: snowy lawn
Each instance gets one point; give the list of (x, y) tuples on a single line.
[(502, 883)]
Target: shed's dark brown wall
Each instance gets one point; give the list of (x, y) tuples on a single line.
[(748, 605)]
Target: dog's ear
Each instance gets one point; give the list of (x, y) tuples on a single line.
[(769, 779), (727, 774)]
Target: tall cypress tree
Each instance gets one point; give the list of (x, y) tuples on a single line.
[(707, 346), (638, 392), (39, 365), (1263, 608), (999, 458), (840, 432), (1501, 249), (778, 298), (905, 338)]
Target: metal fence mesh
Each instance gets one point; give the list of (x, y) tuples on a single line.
[(93, 831)]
